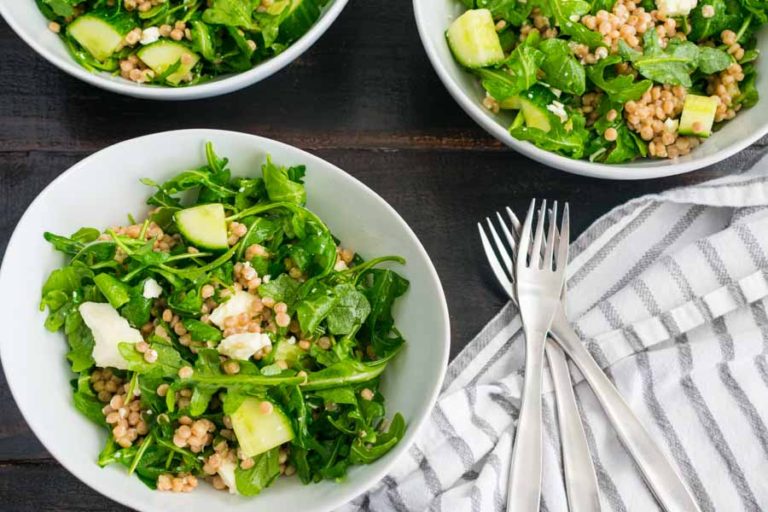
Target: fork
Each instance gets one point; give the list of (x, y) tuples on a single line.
[(659, 473), (539, 276), (580, 477)]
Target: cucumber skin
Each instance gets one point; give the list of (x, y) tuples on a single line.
[(119, 24), (177, 76), (191, 236), (241, 417), (693, 113), (490, 46)]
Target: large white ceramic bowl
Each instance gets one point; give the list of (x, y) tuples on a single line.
[(99, 192), (433, 18), (25, 18)]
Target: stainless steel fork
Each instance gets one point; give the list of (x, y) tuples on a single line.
[(658, 471), (580, 478), (539, 276)]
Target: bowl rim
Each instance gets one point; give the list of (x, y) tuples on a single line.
[(224, 85), (415, 425), (563, 163)]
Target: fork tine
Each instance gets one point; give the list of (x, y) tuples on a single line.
[(507, 234), (538, 237), (551, 240), (516, 226), (525, 237), (493, 261), (505, 257), (563, 240)]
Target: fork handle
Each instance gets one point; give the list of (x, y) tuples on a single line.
[(580, 479), (658, 471), (524, 485)]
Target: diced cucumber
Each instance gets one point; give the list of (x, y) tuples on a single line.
[(204, 225), (99, 35), (698, 115), (511, 103), (257, 431), (300, 18), (288, 352), (473, 39), (160, 56), (535, 115)]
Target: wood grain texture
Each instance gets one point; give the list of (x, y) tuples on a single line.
[(366, 99)]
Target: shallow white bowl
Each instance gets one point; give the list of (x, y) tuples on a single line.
[(29, 23), (433, 18), (100, 191)]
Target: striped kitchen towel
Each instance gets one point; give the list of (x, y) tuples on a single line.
[(670, 294)]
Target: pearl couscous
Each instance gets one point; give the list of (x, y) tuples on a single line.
[(614, 80), (238, 342), (177, 42)]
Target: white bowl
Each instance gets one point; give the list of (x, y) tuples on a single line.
[(100, 191), (29, 23), (433, 18)]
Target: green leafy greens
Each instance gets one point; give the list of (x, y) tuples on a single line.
[(322, 371)]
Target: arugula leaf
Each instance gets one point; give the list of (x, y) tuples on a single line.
[(167, 364), (725, 17), (85, 400), (559, 138), (265, 470), (672, 65), (138, 308), (366, 453), (621, 88), (349, 311), (281, 289), (562, 70), (81, 343), (513, 12), (313, 310), (233, 13), (563, 11), (201, 331), (63, 8), (520, 74), (115, 291), (712, 60), (280, 186)]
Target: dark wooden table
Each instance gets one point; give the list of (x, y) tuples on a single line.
[(365, 98)]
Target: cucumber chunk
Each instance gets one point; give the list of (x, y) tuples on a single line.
[(160, 56), (535, 116), (97, 35), (204, 225), (698, 115), (301, 16), (258, 432), (473, 39), (511, 103)]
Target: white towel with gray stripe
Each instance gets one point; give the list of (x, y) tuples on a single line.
[(670, 294)]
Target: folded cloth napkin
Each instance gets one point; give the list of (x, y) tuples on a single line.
[(669, 292)]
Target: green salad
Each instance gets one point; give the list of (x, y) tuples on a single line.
[(612, 80), (178, 42), (227, 336)]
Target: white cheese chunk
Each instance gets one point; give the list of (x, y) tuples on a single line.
[(242, 346), (240, 302), (109, 329), (676, 7), (150, 35), (152, 289), (227, 473)]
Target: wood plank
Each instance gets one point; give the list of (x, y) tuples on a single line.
[(35, 487), (363, 85)]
